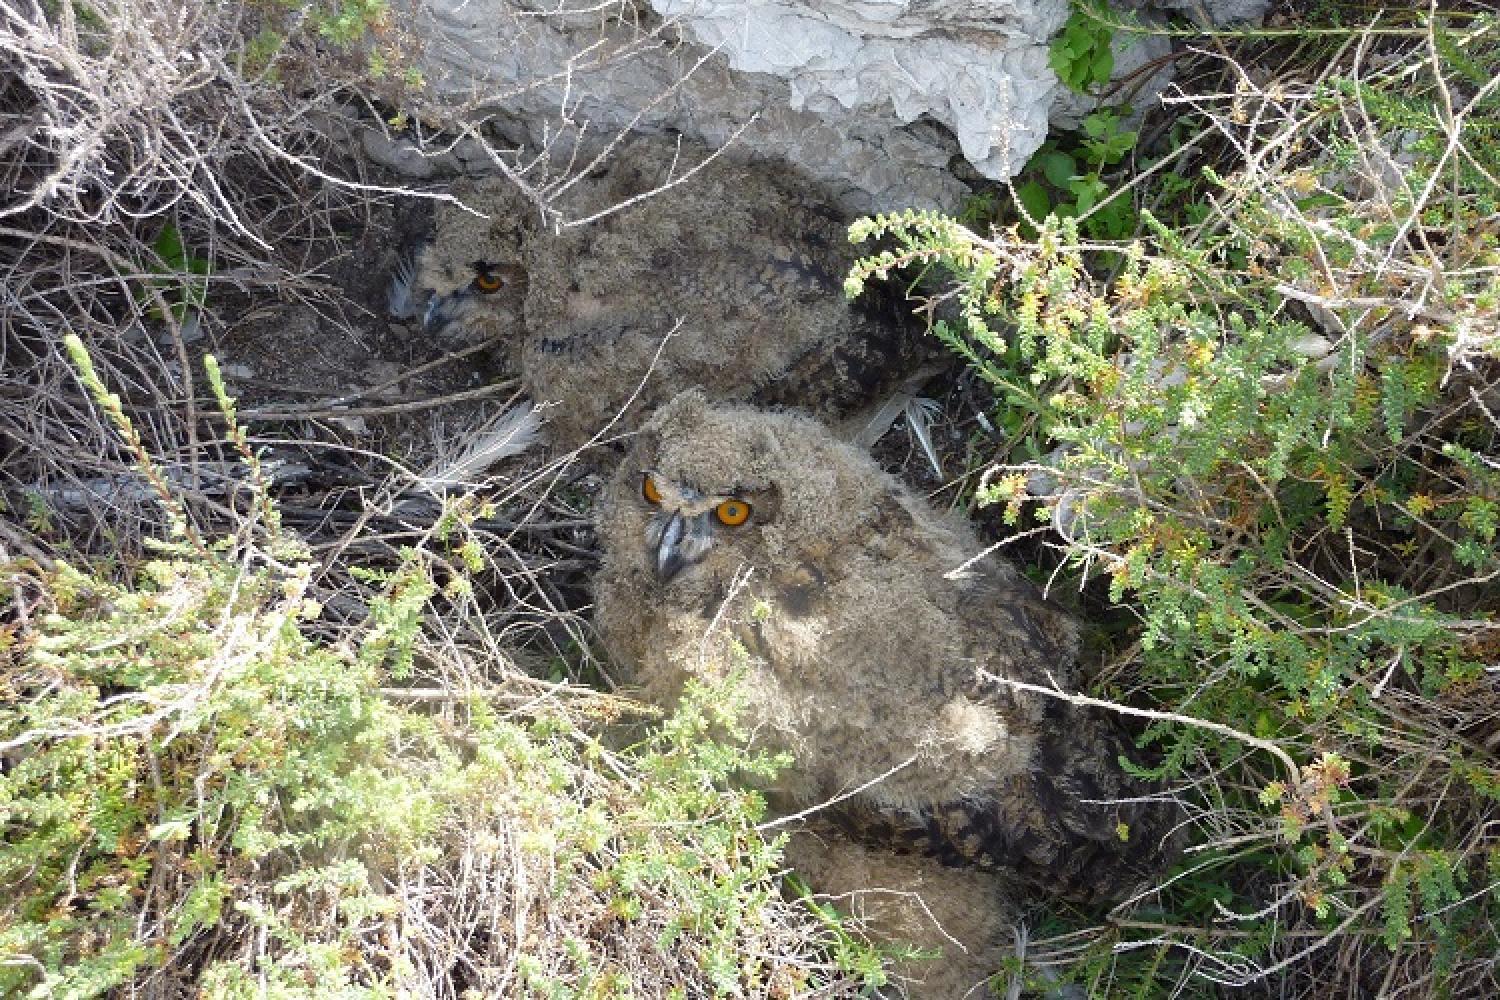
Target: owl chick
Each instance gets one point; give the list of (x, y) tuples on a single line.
[(876, 667), (745, 264)]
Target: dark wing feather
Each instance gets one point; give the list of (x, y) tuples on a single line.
[(837, 376), (1054, 825), (1045, 827)]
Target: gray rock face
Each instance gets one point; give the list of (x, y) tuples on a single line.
[(871, 97), (551, 73), (978, 68), (1217, 12)]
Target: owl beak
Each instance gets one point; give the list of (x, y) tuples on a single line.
[(444, 309), (669, 560), (683, 542)]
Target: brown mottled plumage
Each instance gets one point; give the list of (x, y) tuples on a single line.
[(742, 254), (862, 654), (960, 914)]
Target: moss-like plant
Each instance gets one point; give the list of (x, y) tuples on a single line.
[(199, 787), (1275, 440)]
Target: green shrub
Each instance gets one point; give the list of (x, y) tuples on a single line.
[(1066, 180), (1272, 439), (1081, 55), (202, 787)]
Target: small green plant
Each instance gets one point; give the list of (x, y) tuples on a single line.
[(260, 53), (1073, 175), (1081, 54), (356, 31), (1259, 449), (176, 277), (1066, 178), (346, 22)]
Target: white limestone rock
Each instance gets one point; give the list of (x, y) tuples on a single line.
[(871, 97), (978, 68)]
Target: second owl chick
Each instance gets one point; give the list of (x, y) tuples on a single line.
[(737, 538), (742, 260)]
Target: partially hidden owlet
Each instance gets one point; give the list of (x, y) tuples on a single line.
[(863, 655), (741, 259)]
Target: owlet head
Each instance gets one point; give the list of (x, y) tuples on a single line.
[(710, 487), (684, 522), (469, 273), (461, 292)]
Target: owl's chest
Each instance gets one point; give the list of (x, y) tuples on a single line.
[(869, 712), (849, 657)]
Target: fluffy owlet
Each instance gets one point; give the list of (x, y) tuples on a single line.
[(829, 585), (741, 258)]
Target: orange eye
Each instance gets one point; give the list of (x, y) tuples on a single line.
[(649, 490), (733, 512), (488, 282)]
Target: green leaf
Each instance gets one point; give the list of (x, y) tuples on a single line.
[(1059, 168), (1035, 200), (1119, 144), (1103, 66), (168, 246)]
